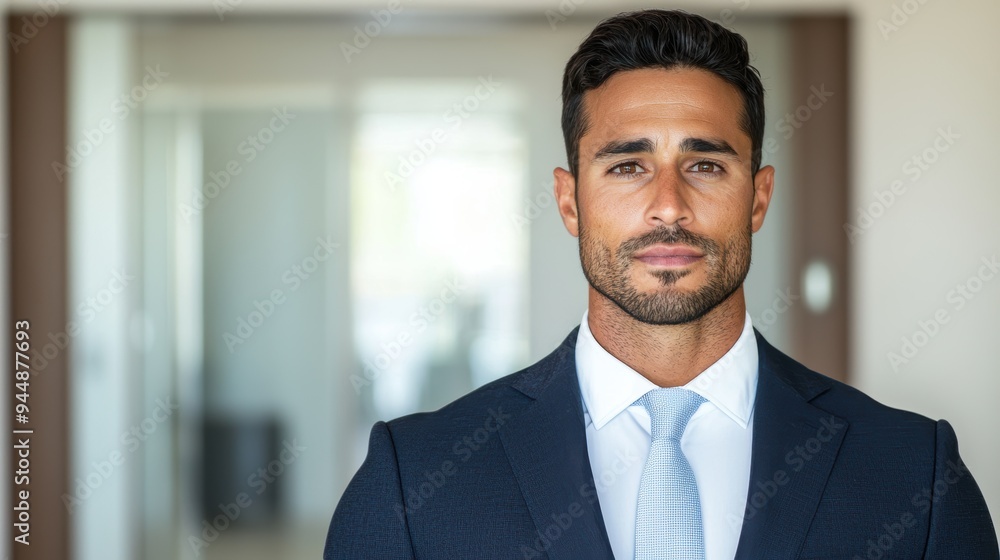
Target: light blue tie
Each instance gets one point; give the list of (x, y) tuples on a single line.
[(668, 520)]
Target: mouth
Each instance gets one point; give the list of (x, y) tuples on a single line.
[(669, 256)]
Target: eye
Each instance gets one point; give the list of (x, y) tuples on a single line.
[(709, 167), (627, 169)]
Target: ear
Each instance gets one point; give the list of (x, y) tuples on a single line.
[(565, 191), (763, 188)]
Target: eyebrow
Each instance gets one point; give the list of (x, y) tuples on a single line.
[(645, 145), (618, 147), (708, 146)]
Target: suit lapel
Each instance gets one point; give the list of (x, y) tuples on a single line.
[(795, 445), (794, 448), (546, 444)]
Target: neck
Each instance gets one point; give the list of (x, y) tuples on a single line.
[(667, 355)]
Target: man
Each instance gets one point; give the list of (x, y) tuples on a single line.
[(664, 426)]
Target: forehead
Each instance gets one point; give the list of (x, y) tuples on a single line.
[(657, 102)]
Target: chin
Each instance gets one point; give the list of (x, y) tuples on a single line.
[(687, 283), (672, 291)]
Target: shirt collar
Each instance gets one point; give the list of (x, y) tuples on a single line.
[(608, 386)]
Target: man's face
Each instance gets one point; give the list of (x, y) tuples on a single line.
[(664, 203)]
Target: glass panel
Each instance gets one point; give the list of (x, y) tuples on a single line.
[(438, 265)]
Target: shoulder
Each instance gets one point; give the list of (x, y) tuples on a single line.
[(488, 405), (865, 414), (904, 467)]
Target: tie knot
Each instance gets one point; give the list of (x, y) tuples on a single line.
[(669, 409)]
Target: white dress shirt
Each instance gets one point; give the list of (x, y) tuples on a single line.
[(717, 440)]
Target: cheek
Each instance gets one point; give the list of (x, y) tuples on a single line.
[(609, 227), (613, 209), (724, 209)]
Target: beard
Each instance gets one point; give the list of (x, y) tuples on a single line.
[(609, 272)]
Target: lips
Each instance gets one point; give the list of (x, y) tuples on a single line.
[(669, 255)]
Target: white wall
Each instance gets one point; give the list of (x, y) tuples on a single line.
[(938, 71)]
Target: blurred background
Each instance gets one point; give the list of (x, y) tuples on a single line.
[(245, 230)]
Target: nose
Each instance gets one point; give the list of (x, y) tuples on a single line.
[(668, 200)]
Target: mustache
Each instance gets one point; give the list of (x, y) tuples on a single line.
[(668, 235)]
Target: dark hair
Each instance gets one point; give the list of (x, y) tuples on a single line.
[(660, 39)]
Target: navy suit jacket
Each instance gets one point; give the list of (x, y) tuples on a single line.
[(503, 472)]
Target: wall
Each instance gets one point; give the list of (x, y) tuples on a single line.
[(937, 71)]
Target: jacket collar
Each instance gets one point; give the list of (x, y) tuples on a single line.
[(795, 444), (794, 447), (546, 444)]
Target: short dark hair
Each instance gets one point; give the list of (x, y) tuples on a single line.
[(660, 39)]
